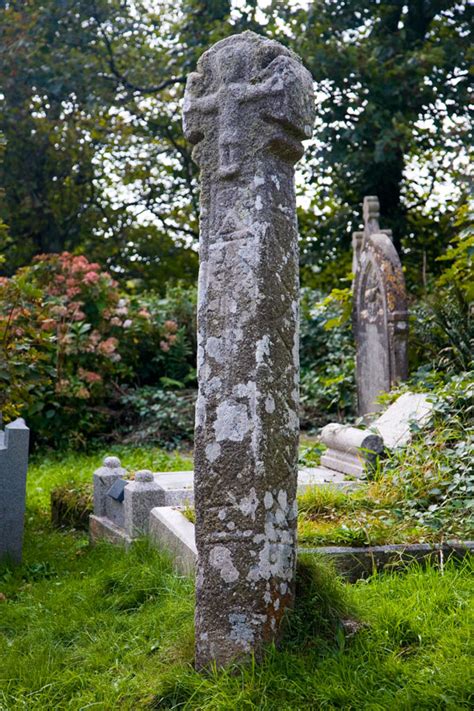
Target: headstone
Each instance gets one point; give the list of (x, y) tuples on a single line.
[(13, 468), (353, 451), (380, 313), (246, 110)]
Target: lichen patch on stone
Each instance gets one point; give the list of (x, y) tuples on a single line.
[(220, 558)]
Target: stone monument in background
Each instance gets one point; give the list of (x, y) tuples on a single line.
[(380, 316), (246, 110)]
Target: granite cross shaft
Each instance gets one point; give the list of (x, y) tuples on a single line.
[(246, 110)]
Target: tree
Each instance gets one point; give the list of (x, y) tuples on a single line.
[(69, 117), (48, 101), (393, 81), (95, 159)]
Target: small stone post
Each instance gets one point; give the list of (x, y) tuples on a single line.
[(246, 110), (380, 313), (104, 477)]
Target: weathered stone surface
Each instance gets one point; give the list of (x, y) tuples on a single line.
[(380, 311), (350, 449), (171, 530), (104, 477), (246, 110), (13, 469), (141, 495), (394, 425)]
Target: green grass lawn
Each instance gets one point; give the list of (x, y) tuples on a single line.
[(100, 628)]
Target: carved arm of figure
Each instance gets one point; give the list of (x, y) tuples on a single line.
[(194, 106)]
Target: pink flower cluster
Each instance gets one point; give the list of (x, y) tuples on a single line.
[(89, 376), (169, 335)]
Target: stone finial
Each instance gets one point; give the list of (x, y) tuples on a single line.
[(246, 110), (371, 213), (112, 462), (144, 476)]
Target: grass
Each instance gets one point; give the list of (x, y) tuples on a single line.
[(102, 628), (422, 492), (368, 516)]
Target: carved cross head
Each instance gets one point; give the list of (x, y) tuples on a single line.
[(249, 94), (371, 213)]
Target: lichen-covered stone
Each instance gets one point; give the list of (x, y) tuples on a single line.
[(380, 313), (246, 110)]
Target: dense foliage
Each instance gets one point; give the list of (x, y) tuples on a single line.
[(93, 161), (71, 343), (327, 358)]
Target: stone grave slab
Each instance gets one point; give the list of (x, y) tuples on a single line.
[(395, 424)]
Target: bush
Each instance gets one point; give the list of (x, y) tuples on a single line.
[(70, 342), (327, 360), (442, 327), (432, 479), (162, 417), (443, 322)]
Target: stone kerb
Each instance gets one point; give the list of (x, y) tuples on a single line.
[(380, 312), (13, 470), (169, 529), (247, 109)]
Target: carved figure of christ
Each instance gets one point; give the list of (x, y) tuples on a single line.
[(226, 101)]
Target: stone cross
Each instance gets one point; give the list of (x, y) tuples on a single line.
[(380, 315), (246, 110)]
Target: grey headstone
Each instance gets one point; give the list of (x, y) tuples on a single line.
[(380, 313), (13, 469), (246, 109)]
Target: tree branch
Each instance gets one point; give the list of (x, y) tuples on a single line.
[(121, 78)]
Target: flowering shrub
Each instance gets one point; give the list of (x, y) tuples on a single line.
[(69, 341)]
